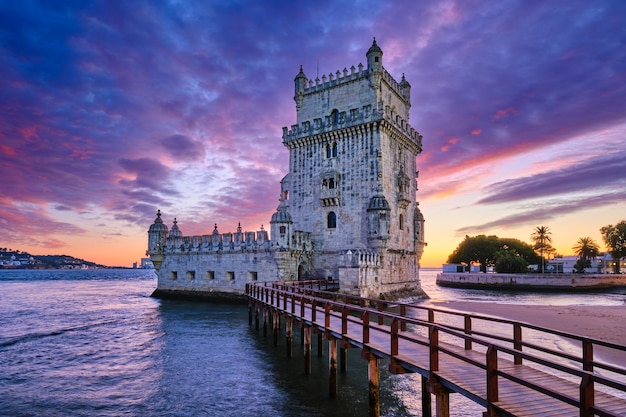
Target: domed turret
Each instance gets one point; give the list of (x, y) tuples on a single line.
[(378, 202), (281, 225), (374, 57), (157, 233), (300, 85), (405, 89), (281, 217)]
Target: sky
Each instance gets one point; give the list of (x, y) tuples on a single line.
[(110, 110)]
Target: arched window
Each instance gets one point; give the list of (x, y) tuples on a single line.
[(331, 220), (402, 222), (282, 230), (328, 151), (334, 117), (334, 149), (331, 183)]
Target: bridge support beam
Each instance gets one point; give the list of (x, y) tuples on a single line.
[(256, 317), (289, 336), (307, 350), (373, 375), (320, 344), (332, 367), (442, 397), (343, 359), (276, 326), (265, 322), (427, 404)]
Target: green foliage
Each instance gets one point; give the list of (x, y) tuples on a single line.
[(586, 249), (510, 262), (482, 249), (581, 264), (615, 240)]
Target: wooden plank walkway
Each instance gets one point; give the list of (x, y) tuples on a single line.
[(506, 375)]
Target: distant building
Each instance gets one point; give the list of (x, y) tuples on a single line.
[(347, 207), (603, 264)]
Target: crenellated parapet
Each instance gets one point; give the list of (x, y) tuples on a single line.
[(233, 242), (352, 118), (358, 258)]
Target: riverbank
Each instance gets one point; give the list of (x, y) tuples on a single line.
[(524, 282), (598, 322)]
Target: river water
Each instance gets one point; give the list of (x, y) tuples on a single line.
[(94, 343)]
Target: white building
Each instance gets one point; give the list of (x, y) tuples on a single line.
[(347, 207)]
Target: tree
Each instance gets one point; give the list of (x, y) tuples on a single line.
[(586, 249), (509, 261), (615, 240), (542, 241), (482, 249), (478, 249)]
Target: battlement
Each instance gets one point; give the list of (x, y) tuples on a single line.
[(343, 77), (357, 258), (350, 118), (232, 242)]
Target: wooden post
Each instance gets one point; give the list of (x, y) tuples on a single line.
[(492, 380), (374, 385), (587, 355), (320, 344), (332, 367), (403, 314), (394, 337), (433, 337), (587, 400), (249, 310), (468, 331), (265, 322), (289, 336), (442, 407), (343, 359), (307, 350), (365, 319), (517, 343), (256, 317), (427, 408), (276, 323)]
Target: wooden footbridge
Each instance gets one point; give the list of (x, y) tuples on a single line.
[(482, 358)]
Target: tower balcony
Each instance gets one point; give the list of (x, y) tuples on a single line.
[(329, 197), (403, 199)]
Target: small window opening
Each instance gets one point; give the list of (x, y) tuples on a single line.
[(173, 275), (331, 220)]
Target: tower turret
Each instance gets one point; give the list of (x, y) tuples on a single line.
[(300, 85), (405, 90), (375, 66), (157, 233), (281, 226)]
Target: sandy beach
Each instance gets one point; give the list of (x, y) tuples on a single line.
[(607, 323)]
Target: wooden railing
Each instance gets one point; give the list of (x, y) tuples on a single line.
[(402, 333)]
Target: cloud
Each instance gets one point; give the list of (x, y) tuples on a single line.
[(546, 210), (593, 175)]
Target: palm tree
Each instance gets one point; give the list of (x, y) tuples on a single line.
[(586, 248), (542, 239)]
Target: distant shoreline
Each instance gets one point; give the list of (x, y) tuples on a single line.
[(525, 282)]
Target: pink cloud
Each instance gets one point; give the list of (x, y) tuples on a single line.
[(504, 113)]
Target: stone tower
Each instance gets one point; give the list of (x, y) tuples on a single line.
[(352, 179)]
